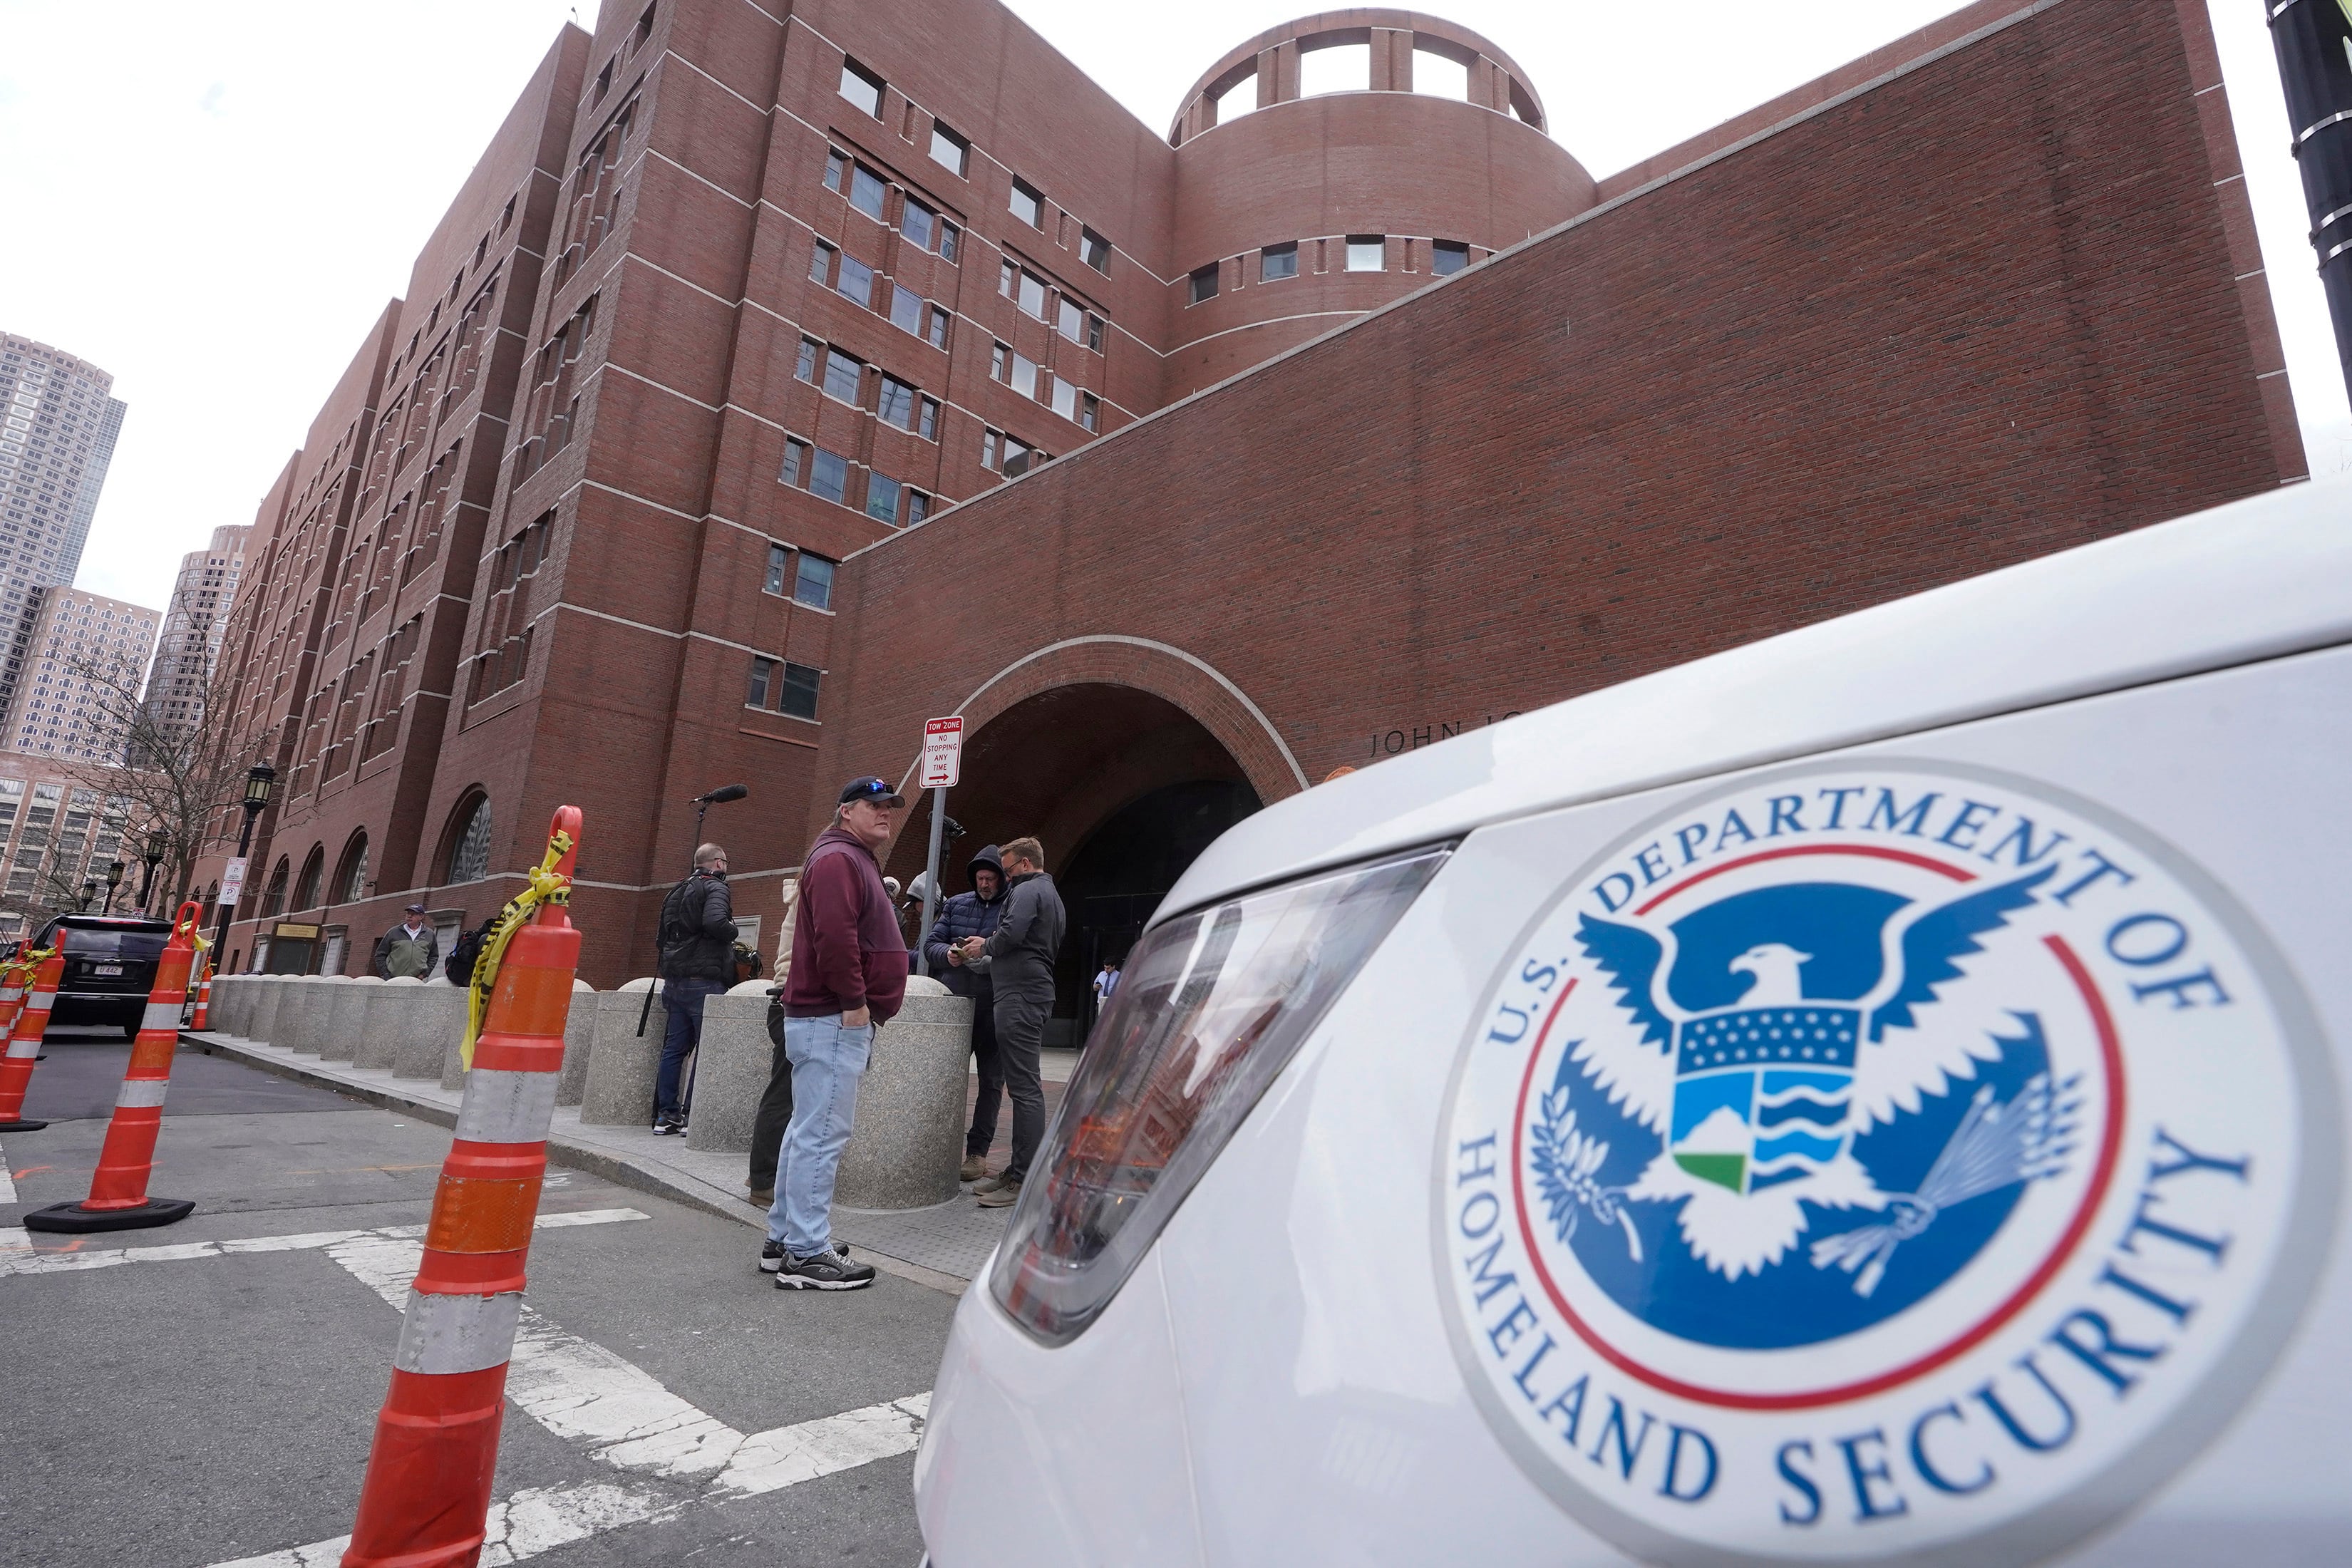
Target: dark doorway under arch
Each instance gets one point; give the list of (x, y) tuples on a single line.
[(1124, 788)]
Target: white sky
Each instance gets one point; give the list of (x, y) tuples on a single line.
[(213, 201)]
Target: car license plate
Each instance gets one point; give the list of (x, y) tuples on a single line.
[(106, 969)]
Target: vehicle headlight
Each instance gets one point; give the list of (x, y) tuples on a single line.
[(1208, 1008)]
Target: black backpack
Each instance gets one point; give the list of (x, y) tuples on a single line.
[(465, 952), (672, 929)]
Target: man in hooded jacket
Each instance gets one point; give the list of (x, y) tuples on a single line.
[(1018, 957), (974, 914)]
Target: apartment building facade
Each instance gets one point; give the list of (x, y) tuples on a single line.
[(188, 648), (835, 366), (58, 421), (84, 664)]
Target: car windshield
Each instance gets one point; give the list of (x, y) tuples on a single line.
[(114, 943)]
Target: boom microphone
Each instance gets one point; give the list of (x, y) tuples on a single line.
[(722, 794)]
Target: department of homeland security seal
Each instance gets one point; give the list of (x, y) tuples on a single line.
[(1872, 1159)]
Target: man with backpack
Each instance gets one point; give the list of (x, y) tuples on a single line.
[(697, 938)]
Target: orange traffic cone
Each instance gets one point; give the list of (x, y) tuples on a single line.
[(25, 1040), (12, 975), (427, 1494), (203, 1016), (118, 1192)]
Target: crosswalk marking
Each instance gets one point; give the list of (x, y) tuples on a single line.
[(17, 1257)]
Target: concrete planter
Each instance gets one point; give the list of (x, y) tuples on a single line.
[(317, 1005), (261, 1017), (347, 1015), (908, 1137), (285, 1020), (229, 993), (732, 1071), (618, 1090), (386, 1021), (437, 1012), (579, 1033)]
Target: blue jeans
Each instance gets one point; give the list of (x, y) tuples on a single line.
[(827, 1062), (681, 1003)]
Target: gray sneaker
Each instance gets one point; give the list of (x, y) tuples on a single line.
[(825, 1271), (992, 1183)]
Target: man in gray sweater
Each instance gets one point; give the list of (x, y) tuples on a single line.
[(1018, 958)]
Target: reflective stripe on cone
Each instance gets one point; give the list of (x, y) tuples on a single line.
[(427, 1491), (25, 1037)]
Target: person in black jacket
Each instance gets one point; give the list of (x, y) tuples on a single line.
[(974, 914), (697, 959)]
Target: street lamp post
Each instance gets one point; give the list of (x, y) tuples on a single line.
[(89, 895), (113, 883), (259, 780), (152, 852)]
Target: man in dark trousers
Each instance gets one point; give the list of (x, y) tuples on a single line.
[(1018, 958), (848, 977), (697, 959), (974, 914)]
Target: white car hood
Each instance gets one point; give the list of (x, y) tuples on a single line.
[(2252, 580)]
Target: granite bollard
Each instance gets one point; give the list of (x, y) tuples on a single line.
[(437, 1011), (579, 1035), (286, 1021), (386, 1023), (243, 991), (229, 991), (345, 1016), (318, 1001), (731, 1069), (618, 1090), (261, 1018), (908, 1137)]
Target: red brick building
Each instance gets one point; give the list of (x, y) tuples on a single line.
[(684, 461)]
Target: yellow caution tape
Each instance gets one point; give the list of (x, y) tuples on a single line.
[(545, 887)]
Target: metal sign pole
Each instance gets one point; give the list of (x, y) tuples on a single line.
[(931, 881)]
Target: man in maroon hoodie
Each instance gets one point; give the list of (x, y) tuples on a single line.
[(848, 977)]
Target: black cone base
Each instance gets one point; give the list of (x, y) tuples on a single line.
[(75, 1218), (22, 1126)]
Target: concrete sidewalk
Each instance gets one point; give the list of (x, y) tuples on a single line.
[(945, 1247)]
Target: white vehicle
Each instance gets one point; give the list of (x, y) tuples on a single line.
[(1876, 1095)]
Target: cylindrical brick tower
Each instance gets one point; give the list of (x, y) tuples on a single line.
[(1304, 212)]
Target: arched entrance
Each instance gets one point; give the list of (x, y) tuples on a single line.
[(1124, 788)]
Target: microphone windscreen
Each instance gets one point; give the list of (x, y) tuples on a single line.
[(727, 792)]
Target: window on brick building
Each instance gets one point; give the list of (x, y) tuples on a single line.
[(938, 327), (918, 507), (1089, 411), (919, 223), (844, 376), (1028, 204), (779, 562), (1022, 378), (1367, 253), (1020, 458), (896, 403), (861, 87), (906, 309), (1446, 257), (999, 359), (990, 441), (882, 499), (1277, 262), (1033, 296), (814, 584), (811, 350), (855, 281), (1007, 277), (763, 676), (950, 150), (867, 192), (837, 168), (1204, 283), (1070, 322), (948, 234), (796, 463), (1066, 399), (643, 31), (796, 696), (828, 475), (927, 419), (1094, 250), (1095, 332), (821, 263)]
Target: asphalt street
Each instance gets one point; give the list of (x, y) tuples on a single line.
[(204, 1394)]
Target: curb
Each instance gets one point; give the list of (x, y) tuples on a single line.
[(621, 1167)]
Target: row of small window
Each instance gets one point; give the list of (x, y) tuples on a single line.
[(1024, 375), (1028, 290), (865, 88), (854, 281), (825, 475), (869, 192), (843, 376), (780, 686), (1366, 253), (812, 581)]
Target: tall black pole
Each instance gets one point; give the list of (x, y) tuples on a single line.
[(2313, 40), (228, 913)]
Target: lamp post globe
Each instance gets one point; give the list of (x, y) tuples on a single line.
[(113, 883), (260, 781)]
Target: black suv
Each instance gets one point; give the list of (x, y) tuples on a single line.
[(110, 968)]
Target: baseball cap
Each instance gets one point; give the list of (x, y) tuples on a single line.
[(871, 789), (414, 909)]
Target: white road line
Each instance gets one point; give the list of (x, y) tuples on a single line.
[(7, 1183), (17, 1256)]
